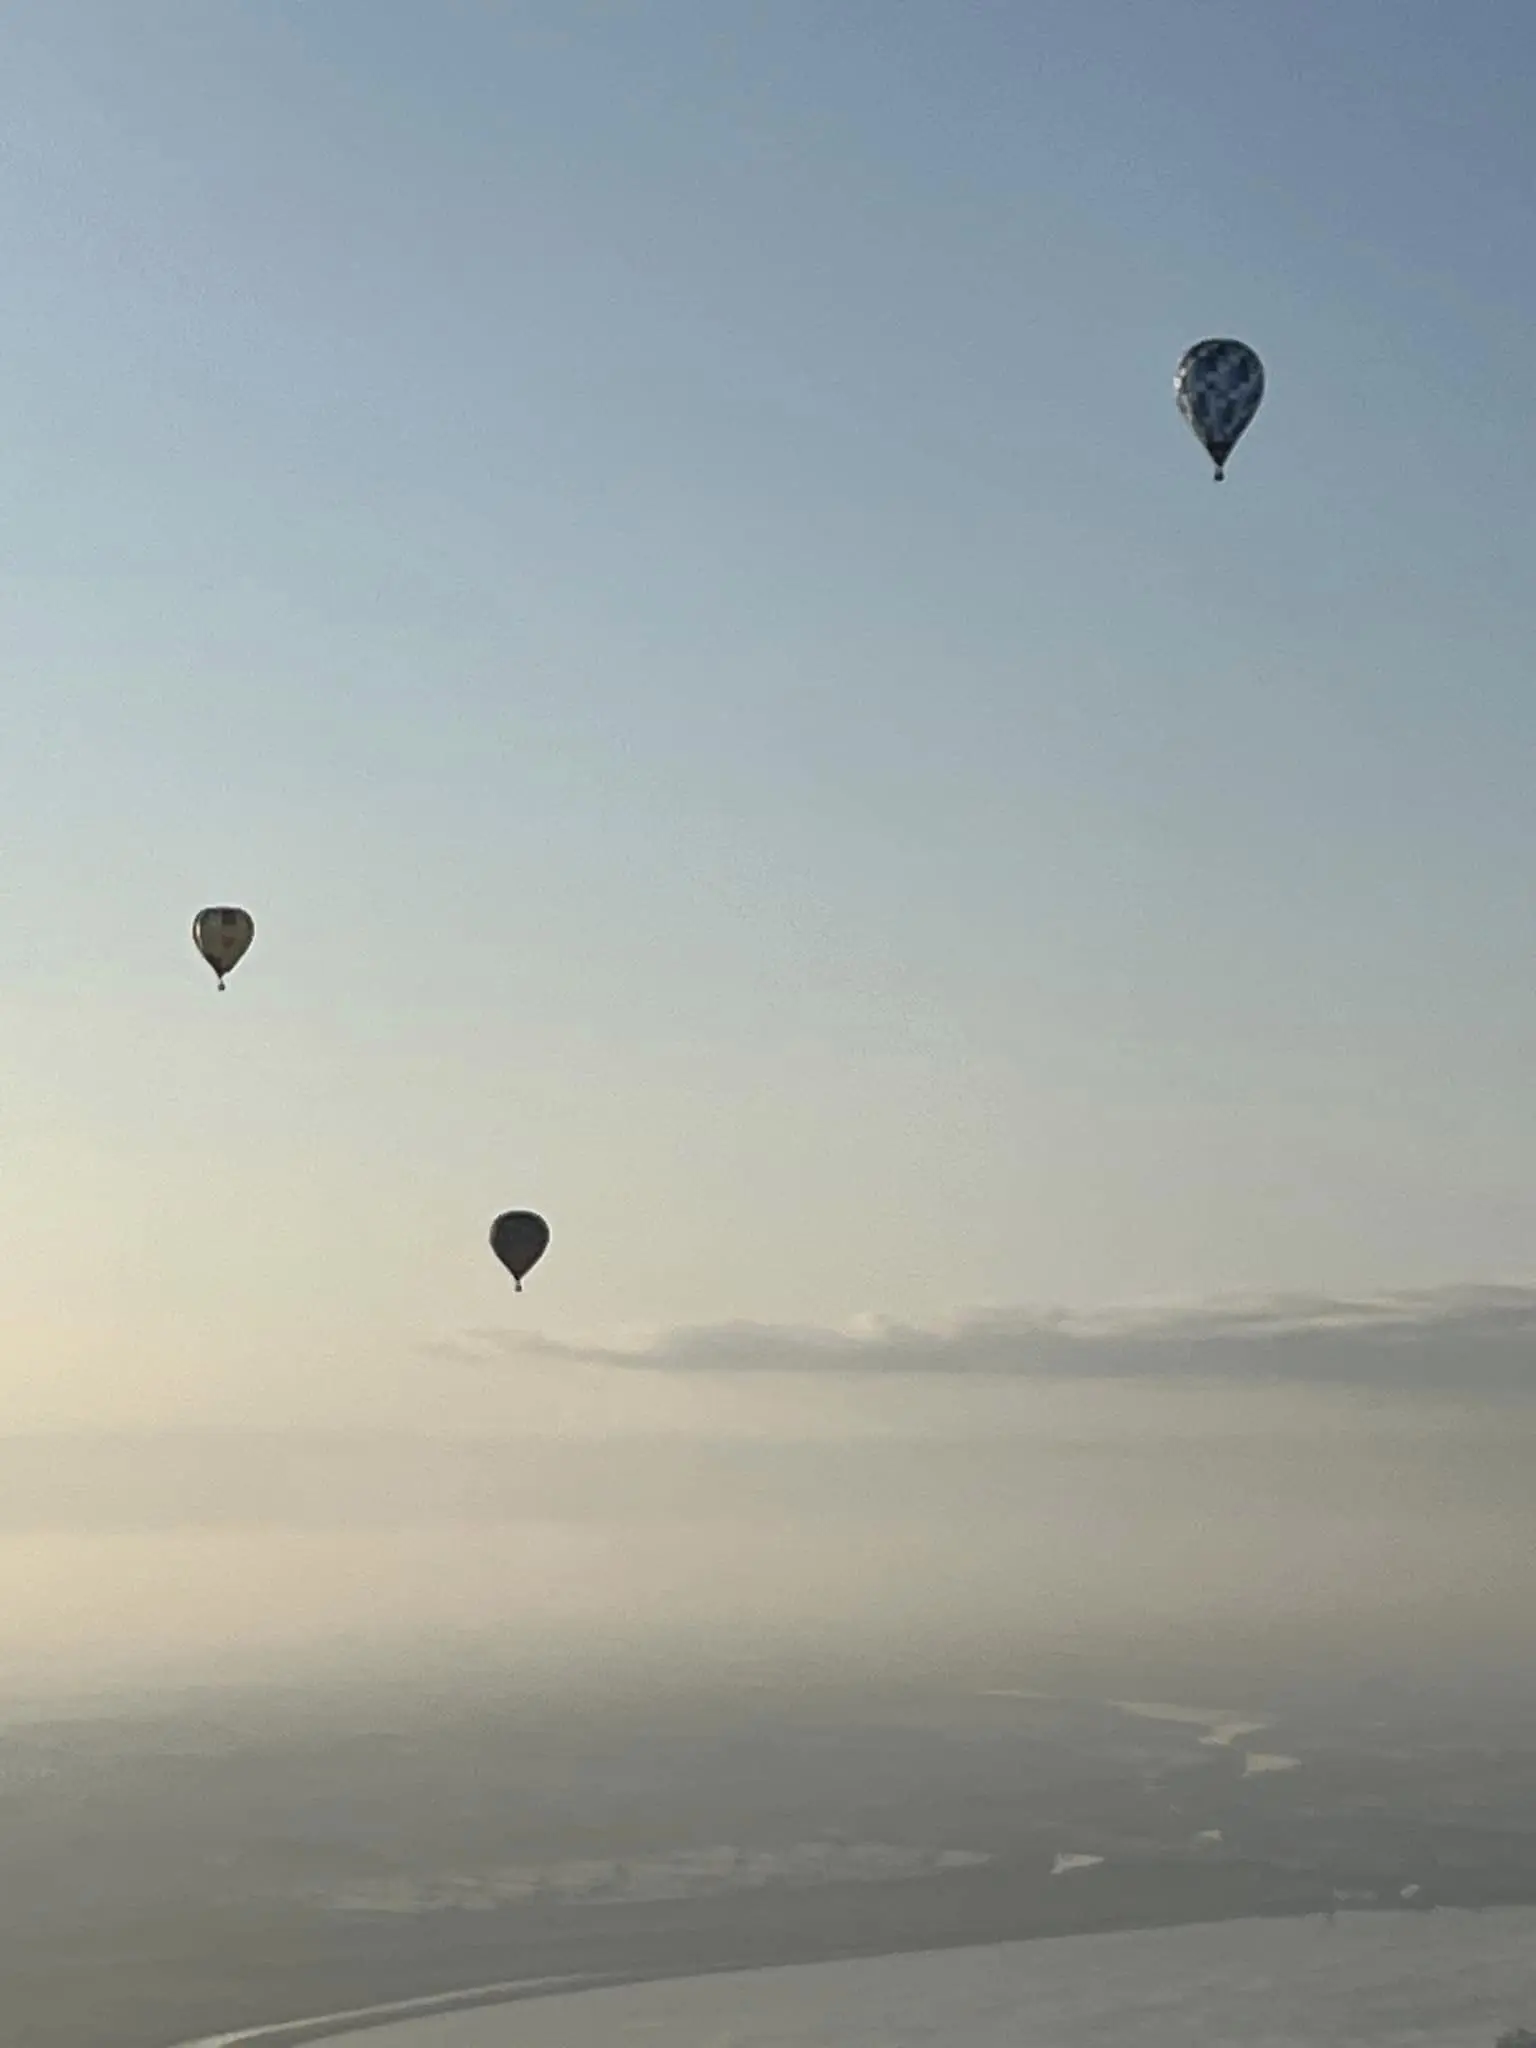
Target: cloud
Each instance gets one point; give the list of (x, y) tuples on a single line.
[(1461, 1341)]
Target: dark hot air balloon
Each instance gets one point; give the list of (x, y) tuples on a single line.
[(1218, 386), (519, 1239), (223, 937)]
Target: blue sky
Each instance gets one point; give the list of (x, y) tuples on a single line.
[(653, 549)]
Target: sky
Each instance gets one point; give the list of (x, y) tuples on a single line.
[(652, 548)]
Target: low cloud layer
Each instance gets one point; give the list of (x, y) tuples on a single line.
[(1458, 1341), (1299, 1478)]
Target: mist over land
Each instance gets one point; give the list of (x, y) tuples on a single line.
[(182, 1861), (824, 1663), (1353, 1473)]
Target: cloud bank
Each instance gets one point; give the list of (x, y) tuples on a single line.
[(1473, 1341), (1320, 1478)]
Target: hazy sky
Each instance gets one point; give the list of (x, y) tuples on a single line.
[(652, 547)]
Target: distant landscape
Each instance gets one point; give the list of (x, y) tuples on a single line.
[(177, 1868)]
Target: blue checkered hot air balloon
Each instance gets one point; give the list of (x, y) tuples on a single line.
[(1218, 386)]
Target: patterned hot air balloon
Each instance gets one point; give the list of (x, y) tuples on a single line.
[(1218, 386), (519, 1239), (223, 937)]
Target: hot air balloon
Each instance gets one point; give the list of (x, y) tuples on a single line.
[(223, 937), (519, 1239), (1218, 386)]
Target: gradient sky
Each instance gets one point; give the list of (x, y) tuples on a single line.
[(652, 547)]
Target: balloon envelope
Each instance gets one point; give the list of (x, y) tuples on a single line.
[(1218, 386), (519, 1239), (223, 937)]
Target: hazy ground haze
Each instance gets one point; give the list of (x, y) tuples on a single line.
[(826, 1515)]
